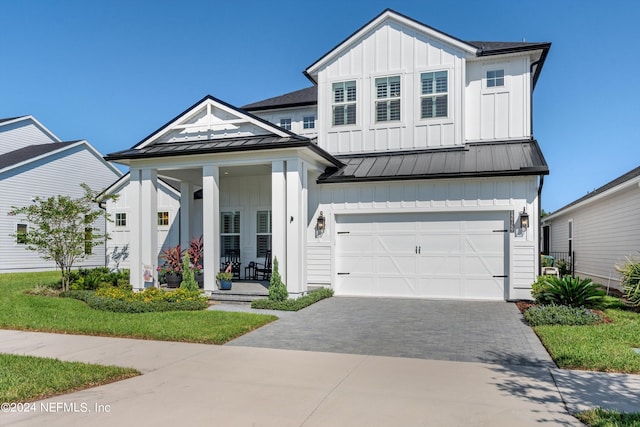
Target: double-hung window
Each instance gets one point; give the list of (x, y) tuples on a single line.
[(229, 231), (495, 78), (121, 219), (285, 124), (309, 122), (387, 99), (263, 233), (344, 103), (434, 97)]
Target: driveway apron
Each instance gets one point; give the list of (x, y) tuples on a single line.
[(465, 331)]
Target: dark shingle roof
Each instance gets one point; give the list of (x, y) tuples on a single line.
[(505, 158), (486, 48), (307, 96), (222, 145), (23, 154), (608, 186)]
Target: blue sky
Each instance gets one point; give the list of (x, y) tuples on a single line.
[(112, 72)]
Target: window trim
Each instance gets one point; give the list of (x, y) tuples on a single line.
[(168, 218), (230, 210), (268, 233), (117, 221), (386, 100), (333, 104), (486, 78), (448, 93), (305, 121)]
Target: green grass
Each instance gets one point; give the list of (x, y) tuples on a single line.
[(602, 418), (605, 347), (28, 378), (49, 314)]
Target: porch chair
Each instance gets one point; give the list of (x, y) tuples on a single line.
[(265, 268), (232, 256), (550, 271)]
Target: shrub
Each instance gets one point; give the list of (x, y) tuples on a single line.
[(630, 280), (560, 315), (574, 292), (277, 289), (188, 282), (564, 267), (122, 300), (93, 278), (293, 304)]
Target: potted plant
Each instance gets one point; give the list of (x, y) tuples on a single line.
[(195, 256), (171, 269), (224, 279)]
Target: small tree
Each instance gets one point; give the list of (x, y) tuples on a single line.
[(188, 282), (62, 228), (277, 289)]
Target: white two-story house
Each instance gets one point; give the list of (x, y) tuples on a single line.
[(407, 169)]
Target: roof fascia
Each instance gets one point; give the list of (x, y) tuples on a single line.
[(571, 207), (124, 180), (36, 122), (387, 14), (270, 127)]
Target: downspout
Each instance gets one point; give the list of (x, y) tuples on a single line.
[(540, 221), (103, 206)]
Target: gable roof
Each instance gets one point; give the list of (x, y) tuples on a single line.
[(503, 158), (124, 180), (211, 100), (8, 121), (298, 98), (630, 178)]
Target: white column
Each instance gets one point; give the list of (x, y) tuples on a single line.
[(278, 216), (296, 223), (186, 210), (135, 238), (210, 224), (149, 222)]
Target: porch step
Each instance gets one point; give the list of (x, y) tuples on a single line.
[(229, 297)]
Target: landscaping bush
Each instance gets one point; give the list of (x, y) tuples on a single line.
[(574, 292), (93, 278), (122, 300), (293, 304), (560, 315), (277, 289), (630, 273)]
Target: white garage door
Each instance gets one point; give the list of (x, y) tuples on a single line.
[(437, 255)]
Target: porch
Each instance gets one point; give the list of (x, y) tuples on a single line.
[(241, 292)]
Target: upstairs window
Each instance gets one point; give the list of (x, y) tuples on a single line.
[(387, 99), (285, 124), (434, 98), (121, 219), (309, 122), (495, 78), (344, 103)]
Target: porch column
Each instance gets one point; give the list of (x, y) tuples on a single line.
[(210, 225), (135, 236), (296, 207), (278, 216), (186, 210), (149, 225)]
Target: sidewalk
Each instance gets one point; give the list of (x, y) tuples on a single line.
[(197, 384)]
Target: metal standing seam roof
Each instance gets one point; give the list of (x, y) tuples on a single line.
[(27, 153), (222, 145), (504, 158)]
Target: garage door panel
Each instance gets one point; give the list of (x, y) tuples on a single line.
[(438, 255)]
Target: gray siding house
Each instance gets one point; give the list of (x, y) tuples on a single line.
[(35, 162), (599, 230)]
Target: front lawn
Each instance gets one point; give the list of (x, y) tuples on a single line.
[(605, 347), (602, 418), (28, 378), (64, 315)]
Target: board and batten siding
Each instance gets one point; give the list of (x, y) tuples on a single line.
[(61, 173), (605, 232), (459, 195), (296, 115), (20, 134), (392, 50), (498, 113)]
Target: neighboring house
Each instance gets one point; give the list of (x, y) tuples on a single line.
[(119, 227), (413, 179), (598, 231), (34, 162)]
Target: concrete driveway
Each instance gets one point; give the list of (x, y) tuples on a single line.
[(462, 331)]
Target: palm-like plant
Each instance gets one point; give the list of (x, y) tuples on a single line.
[(573, 292)]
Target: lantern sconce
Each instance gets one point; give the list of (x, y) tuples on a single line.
[(524, 219), (320, 223)]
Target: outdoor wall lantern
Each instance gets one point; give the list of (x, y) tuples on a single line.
[(524, 219), (320, 223)]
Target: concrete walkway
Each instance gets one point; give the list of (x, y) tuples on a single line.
[(196, 384)]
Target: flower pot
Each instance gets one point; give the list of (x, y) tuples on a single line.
[(224, 285), (199, 277), (173, 279)]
